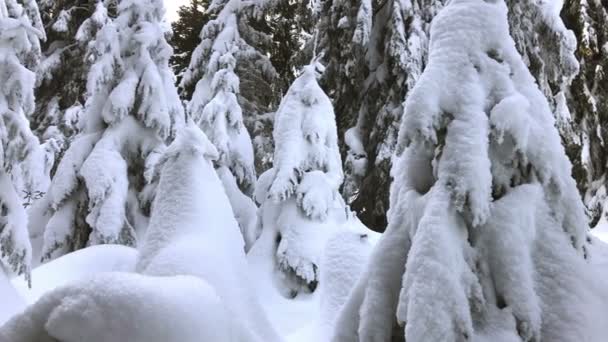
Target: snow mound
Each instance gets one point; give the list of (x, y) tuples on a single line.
[(12, 302), (193, 230), (127, 307), (75, 266)]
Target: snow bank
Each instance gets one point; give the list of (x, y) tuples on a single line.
[(12, 302), (76, 266), (127, 307)]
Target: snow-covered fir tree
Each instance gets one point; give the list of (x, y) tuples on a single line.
[(104, 184), (21, 165), (487, 232), (375, 53), (233, 34), (192, 17), (62, 76), (300, 202)]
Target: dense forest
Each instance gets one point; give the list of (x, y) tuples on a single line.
[(298, 170)]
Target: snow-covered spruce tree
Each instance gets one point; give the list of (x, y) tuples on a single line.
[(375, 52), (215, 104), (62, 76), (20, 153), (301, 206), (104, 184), (588, 102), (486, 225), (233, 32), (186, 33)]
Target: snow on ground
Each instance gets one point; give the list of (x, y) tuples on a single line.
[(120, 306), (12, 303), (75, 266), (601, 231), (306, 317)]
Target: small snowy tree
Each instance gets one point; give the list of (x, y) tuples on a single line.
[(20, 162), (304, 207), (487, 231), (215, 106), (105, 182)]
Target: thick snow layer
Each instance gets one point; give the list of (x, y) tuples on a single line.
[(128, 307), (193, 232), (75, 266)]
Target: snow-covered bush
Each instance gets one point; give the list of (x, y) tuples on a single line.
[(21, 158), (105, 182), (194, 232), (487, 231), (301, 205)]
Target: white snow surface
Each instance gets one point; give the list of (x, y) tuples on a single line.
[(12, 302), (130, 307), (74, 267)]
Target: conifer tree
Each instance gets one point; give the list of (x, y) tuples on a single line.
[(300, 202), (20, 154), (61, 79), (104, 184), (375, 53), (186, 32), (487, 231), (588, 103)]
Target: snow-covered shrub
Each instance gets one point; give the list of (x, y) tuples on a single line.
[(105, 182), (487, 230), (21, 158), (193, 231)]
